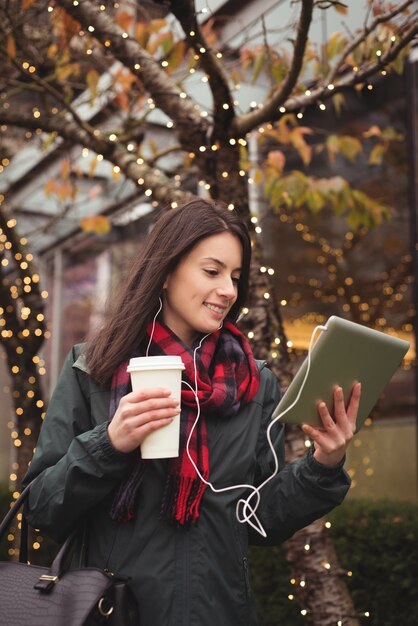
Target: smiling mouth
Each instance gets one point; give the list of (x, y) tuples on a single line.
[(214, 308)]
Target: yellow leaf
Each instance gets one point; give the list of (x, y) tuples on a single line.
[(49, 187), (124, 20), (64, 71), (92, 82), (65, 169), (65, 190), (52, 50), (276, 162), (155, 25), (341, 8), (93, 165), (374, 131), (258, 177), (141, 33), (98, 224), (11, 47)]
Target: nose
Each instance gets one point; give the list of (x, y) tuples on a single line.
[(228, 289)]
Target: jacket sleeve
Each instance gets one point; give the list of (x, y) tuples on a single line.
[(301, 492), (75, 464)]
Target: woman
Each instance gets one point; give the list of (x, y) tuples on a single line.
[(156, 521)]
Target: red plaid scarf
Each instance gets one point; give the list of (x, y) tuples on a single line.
[(227, 378)]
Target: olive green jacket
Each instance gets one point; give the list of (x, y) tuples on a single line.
[(181, 577)]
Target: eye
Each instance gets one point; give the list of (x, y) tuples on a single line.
[(211, 272), (235, 279)]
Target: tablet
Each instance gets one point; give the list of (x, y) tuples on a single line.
[(345, 352)]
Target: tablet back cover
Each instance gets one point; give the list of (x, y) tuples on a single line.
[(344, 353)]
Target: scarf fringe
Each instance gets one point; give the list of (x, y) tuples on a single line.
[(182, 496), (124, 503)]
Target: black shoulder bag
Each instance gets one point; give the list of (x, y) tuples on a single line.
[(31, 595)]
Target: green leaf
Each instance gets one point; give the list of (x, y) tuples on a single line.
[(338, 101), (315, 201), (376, 155), (335, 45), (259, 62), (279, 70), (176, 55), (348, 146)]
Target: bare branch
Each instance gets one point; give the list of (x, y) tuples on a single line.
[(185, 12), (165, 93), (248, 121), (164, 153)]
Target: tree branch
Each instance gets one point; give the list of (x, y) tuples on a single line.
[(223, 105), (323, 92), (384, 17), (248, 121), (163, 190), (164, 91)]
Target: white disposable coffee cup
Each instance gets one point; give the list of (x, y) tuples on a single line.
[(149, 372)]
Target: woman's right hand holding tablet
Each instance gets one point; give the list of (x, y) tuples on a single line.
[(139, 413)]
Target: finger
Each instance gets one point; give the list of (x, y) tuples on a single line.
[(353, 405), (339, 407), (322, 438), (145, 394), (325, 417), (146, 408)]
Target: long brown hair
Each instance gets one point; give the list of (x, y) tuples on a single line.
[(175, 233)]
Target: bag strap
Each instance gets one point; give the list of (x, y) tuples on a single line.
[(57, 568)]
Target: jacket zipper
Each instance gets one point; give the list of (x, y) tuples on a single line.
[(246, 577), (186, 578)]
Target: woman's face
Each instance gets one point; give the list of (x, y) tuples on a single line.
[(200, 291)]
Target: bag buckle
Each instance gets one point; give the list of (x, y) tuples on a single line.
[(46, 582), (49, 577)]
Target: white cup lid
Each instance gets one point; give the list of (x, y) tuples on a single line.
[(155, 363)]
